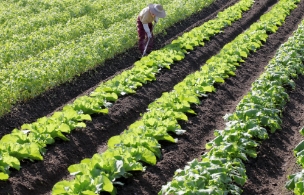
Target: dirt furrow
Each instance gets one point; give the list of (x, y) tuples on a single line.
[(39, 177)]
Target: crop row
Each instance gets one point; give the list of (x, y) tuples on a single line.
[(36, 14), (30, 141), (295, 181), (8, 9), (138, 144), (57, 61), (222, 170)]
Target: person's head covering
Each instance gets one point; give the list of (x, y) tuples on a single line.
[(157, 10)]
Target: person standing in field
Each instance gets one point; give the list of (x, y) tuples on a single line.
[(144, 25)]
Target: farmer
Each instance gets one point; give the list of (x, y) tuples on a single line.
[(144, 25)]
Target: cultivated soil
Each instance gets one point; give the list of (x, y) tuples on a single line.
[(266, 174)]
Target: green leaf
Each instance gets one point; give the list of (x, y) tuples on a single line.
[(62, 188), (290, 184), (13, 162), (88, 192), (3, 176), (139, 154), (251, 113), (131, 140), (108, 186), (208, 89), (239, 180), (79, 169), (25, 151), (219, 80), (299, 147), (302, 131), (243, 54)]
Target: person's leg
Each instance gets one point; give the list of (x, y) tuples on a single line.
[(141, 36), (150, 46)]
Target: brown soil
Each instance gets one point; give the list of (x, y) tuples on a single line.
[(266, 174)]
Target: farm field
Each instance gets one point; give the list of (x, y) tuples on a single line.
[(266, 174)]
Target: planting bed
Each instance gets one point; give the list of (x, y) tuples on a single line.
[(266, 174)]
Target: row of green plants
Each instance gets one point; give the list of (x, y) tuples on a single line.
[(34, 74), (221, 170), (295, 181), (29, 12), (27, 7), (30, 141), (9, 9), (138, 145)]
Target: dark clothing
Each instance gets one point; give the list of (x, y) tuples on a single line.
[(143, 38)]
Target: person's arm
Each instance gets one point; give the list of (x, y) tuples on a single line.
[(147, 29)]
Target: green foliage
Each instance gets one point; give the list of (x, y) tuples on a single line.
[(295, 183), (210, 176)]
